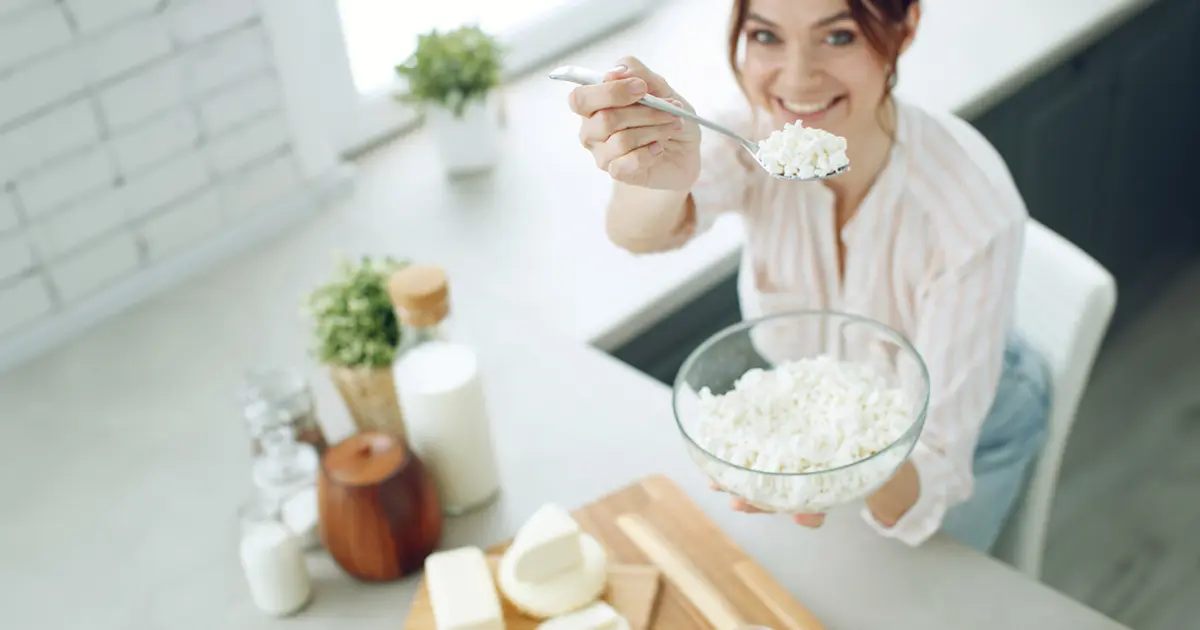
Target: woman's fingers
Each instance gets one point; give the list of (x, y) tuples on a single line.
[(586, 100), (601, 126), (627, 167), (633, 150), (623, 85), (633, 67), (739, 504), (809, 520)]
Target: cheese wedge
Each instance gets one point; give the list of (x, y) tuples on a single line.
[(598, 616), (546, 545), (565, 592), (461, 591)]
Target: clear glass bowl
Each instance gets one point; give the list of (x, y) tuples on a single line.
[(769, 341)]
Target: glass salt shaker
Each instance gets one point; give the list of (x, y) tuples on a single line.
[(285, 476), (272, 395)]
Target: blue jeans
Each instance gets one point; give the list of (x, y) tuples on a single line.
[(1009, 443)]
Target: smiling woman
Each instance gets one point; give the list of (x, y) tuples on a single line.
[(923, 234), (819, 72)]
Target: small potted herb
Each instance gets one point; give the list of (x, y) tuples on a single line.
[(355, 334), (451, 76)]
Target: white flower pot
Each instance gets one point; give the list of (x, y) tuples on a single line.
[(469, 143)]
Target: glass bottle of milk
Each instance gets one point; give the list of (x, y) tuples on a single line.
[(440, 393)]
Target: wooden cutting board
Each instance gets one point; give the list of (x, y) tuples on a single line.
[(632, 590), (660, 507), (748, 591)]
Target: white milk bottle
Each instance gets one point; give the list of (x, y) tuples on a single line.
[(440, 393)]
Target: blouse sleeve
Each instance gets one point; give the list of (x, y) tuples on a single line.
[(725, 169), (965, 316)]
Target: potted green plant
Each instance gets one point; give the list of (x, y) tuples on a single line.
[(355, 334), (451, 76)]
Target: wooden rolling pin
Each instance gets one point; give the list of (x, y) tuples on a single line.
[(703, 594), (686, 576), (773, 596)]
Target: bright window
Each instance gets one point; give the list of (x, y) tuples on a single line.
[(379, 34)]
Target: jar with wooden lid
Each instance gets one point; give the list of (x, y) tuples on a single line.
[(441, 394), (378, 507)]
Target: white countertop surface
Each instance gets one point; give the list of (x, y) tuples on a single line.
[(535, 227), (124, 457)]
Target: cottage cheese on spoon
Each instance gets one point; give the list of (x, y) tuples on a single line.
[(799, 152)]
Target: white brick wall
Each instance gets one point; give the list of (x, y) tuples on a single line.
[(161, 137), (37, 142), (9, 219), (91, 15), (38, 84), (95, 266), (255, 96), (220, 62), (248, 142), (167, 182), (130, 130), (68, 228), (177, 227), (16, 257), (141, 95), (110, 53), (23, 303), (8, 6), (252, 187), (197, 21), (87, 171), (33, 33)]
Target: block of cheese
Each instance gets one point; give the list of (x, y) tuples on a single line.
[(461, 591), (598, 616), (546, 545), (563, 593)]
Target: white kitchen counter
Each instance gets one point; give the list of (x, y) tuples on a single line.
[(535, 227), (124, 459)]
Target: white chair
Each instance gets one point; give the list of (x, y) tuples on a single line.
[(1065, 300)]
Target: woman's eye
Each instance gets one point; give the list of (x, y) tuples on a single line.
[(762, 36), (840, 38)]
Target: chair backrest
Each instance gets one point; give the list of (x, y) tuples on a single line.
[(1065, 300)]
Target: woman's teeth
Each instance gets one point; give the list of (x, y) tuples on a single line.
[(801, 109)]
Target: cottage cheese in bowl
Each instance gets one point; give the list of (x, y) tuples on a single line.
[(801, 411), (804, 436)]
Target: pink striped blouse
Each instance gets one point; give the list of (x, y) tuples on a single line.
[(933, 252)]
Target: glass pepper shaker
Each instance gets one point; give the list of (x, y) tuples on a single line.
[(280, 395)]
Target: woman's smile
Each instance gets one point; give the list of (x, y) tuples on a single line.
[(807, 111)]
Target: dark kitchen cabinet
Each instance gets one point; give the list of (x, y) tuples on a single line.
[(1104, 146), (1054, 136)]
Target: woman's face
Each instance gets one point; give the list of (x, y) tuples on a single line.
[(807, 60)]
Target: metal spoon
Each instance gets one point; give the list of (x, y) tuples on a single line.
[(584, 76)]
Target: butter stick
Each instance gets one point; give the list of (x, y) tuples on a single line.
[(461, 591)]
